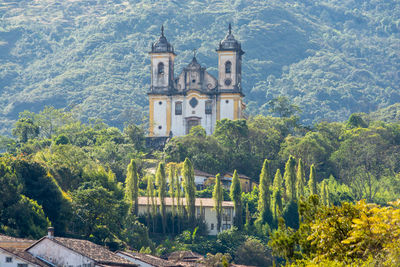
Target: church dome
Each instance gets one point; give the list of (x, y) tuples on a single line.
[(230, 43), (162, 45)]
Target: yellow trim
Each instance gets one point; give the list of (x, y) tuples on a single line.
[(157, 97), (226, 53), (151, 117), (168, 116), (230, 94), (236, 109)]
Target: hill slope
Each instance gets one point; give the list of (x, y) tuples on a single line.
[(331, 57)]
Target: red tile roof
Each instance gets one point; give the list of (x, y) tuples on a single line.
[(188, 255), (241, 176), (101, 255), (201, 173), (150, 259)]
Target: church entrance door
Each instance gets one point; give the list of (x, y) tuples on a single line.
[(191, 122)]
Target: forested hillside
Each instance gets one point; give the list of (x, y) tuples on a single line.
[(331, 57)]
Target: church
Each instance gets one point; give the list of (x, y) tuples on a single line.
[(194, 97)]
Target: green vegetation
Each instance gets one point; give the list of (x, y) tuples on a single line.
[(85, 179), (332, 58)]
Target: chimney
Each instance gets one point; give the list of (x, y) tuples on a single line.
[(50, 232)]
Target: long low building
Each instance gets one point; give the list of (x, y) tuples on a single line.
[(209, 214)]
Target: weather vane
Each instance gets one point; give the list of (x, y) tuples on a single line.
[(194, 52)]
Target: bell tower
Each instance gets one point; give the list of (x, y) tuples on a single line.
[(162, 64), (230, 63), (230, 96), (162, 57)]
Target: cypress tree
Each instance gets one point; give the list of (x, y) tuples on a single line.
[(324, 193), (290, 179), (264, 204), (248, 219), (171, 178), (312, 183), (178, 192), (132, 188), (150, 194), (277, 192), (300, 179), (236, 197), (278, 183), (218, 198), (276, 204), (162, 189), (190, 189)]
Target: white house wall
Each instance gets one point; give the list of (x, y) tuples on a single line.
[(15, 260), (59, 255)]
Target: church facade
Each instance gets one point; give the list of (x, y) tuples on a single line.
[(194, 97)]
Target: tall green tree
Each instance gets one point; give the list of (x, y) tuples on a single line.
[(277, 192), (290, 178), (325, 193), (151, 208), (171, 180), (264, 197), (236, 197), (247, 225), (132, 188), (162, 190), (178, 193), (312, 183), (300, 179), (218, 197), (190, 189)]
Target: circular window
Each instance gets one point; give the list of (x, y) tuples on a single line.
[(193, 81), (160, 103), (227, 101), (160, 127), (193, 102), (228, 82)]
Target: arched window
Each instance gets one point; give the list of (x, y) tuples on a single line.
[(228, 67), (178, 108), (208, 107), (160, 68)]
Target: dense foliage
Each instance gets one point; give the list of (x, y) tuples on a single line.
[(85, 179), (331, 57)]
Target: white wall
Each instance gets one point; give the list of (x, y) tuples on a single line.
[(225, 56), (160, 80), (178, 122), (15, 260), (59, 255), (227, 109), (160, 117)]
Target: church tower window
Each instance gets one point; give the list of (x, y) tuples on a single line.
[(209, 107), (178, 108), (228, 67), (160, 68)]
